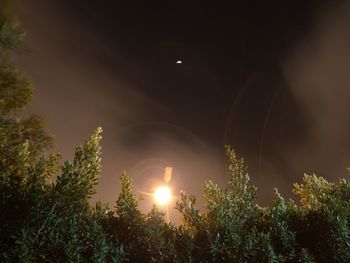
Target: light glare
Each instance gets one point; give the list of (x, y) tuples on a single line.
[(162, 195)]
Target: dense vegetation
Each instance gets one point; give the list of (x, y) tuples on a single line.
[(45, 220)]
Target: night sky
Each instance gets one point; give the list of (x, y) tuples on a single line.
[(271, 79)]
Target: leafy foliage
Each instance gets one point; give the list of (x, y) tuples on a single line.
[(45, 214)]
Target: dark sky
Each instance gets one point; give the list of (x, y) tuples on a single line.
[(272, 79)]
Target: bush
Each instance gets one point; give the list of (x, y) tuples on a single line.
[(43, 221)]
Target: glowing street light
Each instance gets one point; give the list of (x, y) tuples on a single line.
[(162, 195)]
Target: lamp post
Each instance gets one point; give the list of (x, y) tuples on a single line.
[(162, 194)]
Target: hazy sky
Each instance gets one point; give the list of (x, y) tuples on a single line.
[(270, 79)]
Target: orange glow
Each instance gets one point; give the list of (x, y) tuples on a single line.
[(162, 195)]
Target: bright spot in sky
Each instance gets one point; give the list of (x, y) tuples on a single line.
[(162, 195), (179, 62)]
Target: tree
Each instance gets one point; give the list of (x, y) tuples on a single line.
[(43, 221), (46, 216), (22, 171)]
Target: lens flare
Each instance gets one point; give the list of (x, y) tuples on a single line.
[(162, 195)]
